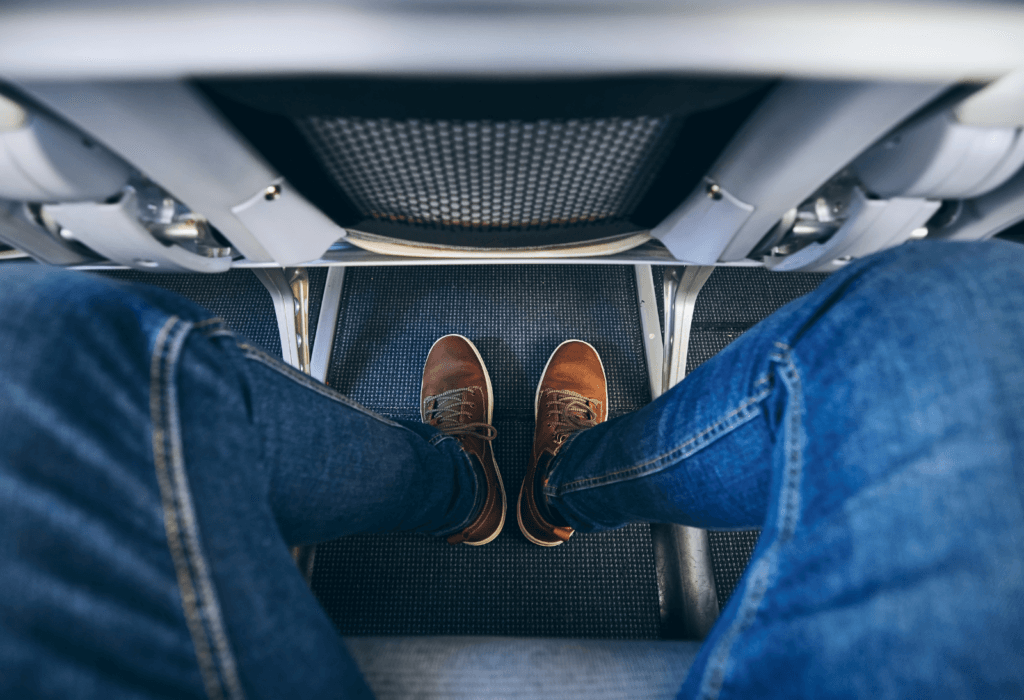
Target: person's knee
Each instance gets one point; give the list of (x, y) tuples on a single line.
[(922, 295), (983, 271), (916, 344), (52, 313)]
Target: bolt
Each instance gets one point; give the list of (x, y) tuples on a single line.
[(714, 191), (271, 193)]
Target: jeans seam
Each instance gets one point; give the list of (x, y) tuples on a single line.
[(257, 355), (200, 604), (762, 572), (436, 440), (738, 416), (476, 494)]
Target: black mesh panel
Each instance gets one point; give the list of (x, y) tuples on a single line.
[(489, 174)]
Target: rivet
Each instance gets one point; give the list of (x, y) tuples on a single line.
[(271, 193), (714, 191)]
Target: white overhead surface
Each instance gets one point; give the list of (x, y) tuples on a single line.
[(944, 41)]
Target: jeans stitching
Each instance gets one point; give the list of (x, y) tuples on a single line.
[(724, 425), (199, 599), (187, 515), (764, 569), (284, 370), (185, 585)]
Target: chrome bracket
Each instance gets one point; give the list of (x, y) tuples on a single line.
[(686, 585), (681, 287), (325, 325), (289, 290)]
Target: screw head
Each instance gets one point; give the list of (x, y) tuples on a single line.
[(714, 191), (271, 193)]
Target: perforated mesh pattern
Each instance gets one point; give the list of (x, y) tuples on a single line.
[(236, 296), (598, 585), (730, 552), (488, 174), (515, 314), (745, 295)]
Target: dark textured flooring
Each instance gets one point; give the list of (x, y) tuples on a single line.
[(236, 296), (596, 585)]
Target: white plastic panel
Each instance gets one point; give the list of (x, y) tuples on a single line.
[(169, 133), (113, 230), (985, 216), (937, 157), (911, 40), (998, 104), (873, 225), (18, 229), (43, 161), (698, 230), (291, 229), (801, 135)]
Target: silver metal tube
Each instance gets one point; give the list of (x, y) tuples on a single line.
[(687, 596)]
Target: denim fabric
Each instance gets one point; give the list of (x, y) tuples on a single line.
[(875, 430), (153, 471)]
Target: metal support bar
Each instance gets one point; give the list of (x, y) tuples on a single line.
[(650, 326), (305, 557), (687, 597), (686, 583), (682, 285), (289, 290), (325, 325)]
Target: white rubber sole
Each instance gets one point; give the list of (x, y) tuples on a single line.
[(536, 411), (522, 528), (490, 416)]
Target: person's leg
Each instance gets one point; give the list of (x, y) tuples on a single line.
[(153, 473), (875, 430)]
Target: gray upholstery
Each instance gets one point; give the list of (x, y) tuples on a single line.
[(495, 667)]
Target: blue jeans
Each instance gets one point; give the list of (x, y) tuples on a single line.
[(154, 470)]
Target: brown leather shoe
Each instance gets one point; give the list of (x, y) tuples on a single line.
[(456, 397), (572, 396)]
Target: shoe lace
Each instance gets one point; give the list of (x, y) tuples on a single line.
[(446, 410), (570, 412)]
